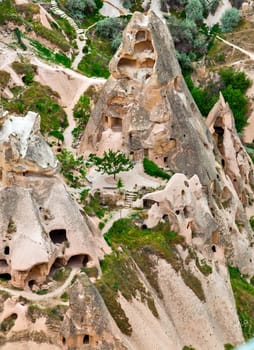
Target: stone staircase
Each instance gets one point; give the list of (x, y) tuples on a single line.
[(130, 197)]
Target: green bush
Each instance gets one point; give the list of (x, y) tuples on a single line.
[(152, 169), (81, 113), (194, 10), (237, 79), (8, 13), (230, 19), (4, 78), (79, 8)]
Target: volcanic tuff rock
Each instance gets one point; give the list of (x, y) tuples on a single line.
[(40, 225), (147, 110), (87, 321)]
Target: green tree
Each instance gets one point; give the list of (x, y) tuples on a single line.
[(112, 162), (230, 19), (238, 104), (235, 78), (194, 11)]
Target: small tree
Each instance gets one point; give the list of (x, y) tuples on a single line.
[(230, 19), (111, 163)]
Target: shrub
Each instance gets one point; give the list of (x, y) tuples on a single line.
[(235, 78), (152, 169), (4, 78), (194, 11), (79, 8), (230, 19)]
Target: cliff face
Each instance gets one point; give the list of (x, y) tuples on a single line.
[(146, 110), (40, 225)]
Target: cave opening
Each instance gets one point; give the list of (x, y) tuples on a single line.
[(86, 339), (58, 236)]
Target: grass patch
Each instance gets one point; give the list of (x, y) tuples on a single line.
[(65, 297), (67, 28), (229, 346), (43, 52), (42, 291), (203, 267), (8, 13), (51, 35), (193, 283), (244, 298), (28, 11), (139, 248), (8, 323), (95, 62), (62, 274), (93, 206), (152, 169), (90, 271), (40, 99)]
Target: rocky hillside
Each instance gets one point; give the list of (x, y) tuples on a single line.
[(88, 261)]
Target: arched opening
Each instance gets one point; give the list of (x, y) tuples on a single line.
[(143, 226), (177, 212), (31, 283), (143, 46), (5, 276), (6, 250), (141, 35), (86, 339), (3, 264), (58, 236), (148, 203), (63, 340), (213, 248), (147, 63), (79, 260)]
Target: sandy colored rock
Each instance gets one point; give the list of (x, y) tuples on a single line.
[(36, 212)]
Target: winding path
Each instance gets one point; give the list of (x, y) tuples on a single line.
[(36, 297), (248, 53)]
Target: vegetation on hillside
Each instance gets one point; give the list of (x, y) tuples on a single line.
[(41, 99), (81, 113), (152, 169), (233, 85), (244, 298), (139, 247)]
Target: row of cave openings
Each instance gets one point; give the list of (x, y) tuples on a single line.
[(57, 236), (147, 204), (143, 52)]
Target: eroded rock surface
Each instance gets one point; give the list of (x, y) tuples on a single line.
[(40, 225), (87, 321)]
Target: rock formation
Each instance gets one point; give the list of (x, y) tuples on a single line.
[(147, 106), (40, 225), (87, 321)]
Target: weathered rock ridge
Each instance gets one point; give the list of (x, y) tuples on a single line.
[(147, 104), (40, 225)]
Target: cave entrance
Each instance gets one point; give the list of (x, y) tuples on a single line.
[(78, 260), (116, 124), (213, 248), (86, 339), (5, 276), (147, 203), (58, 236), (3, 264)]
